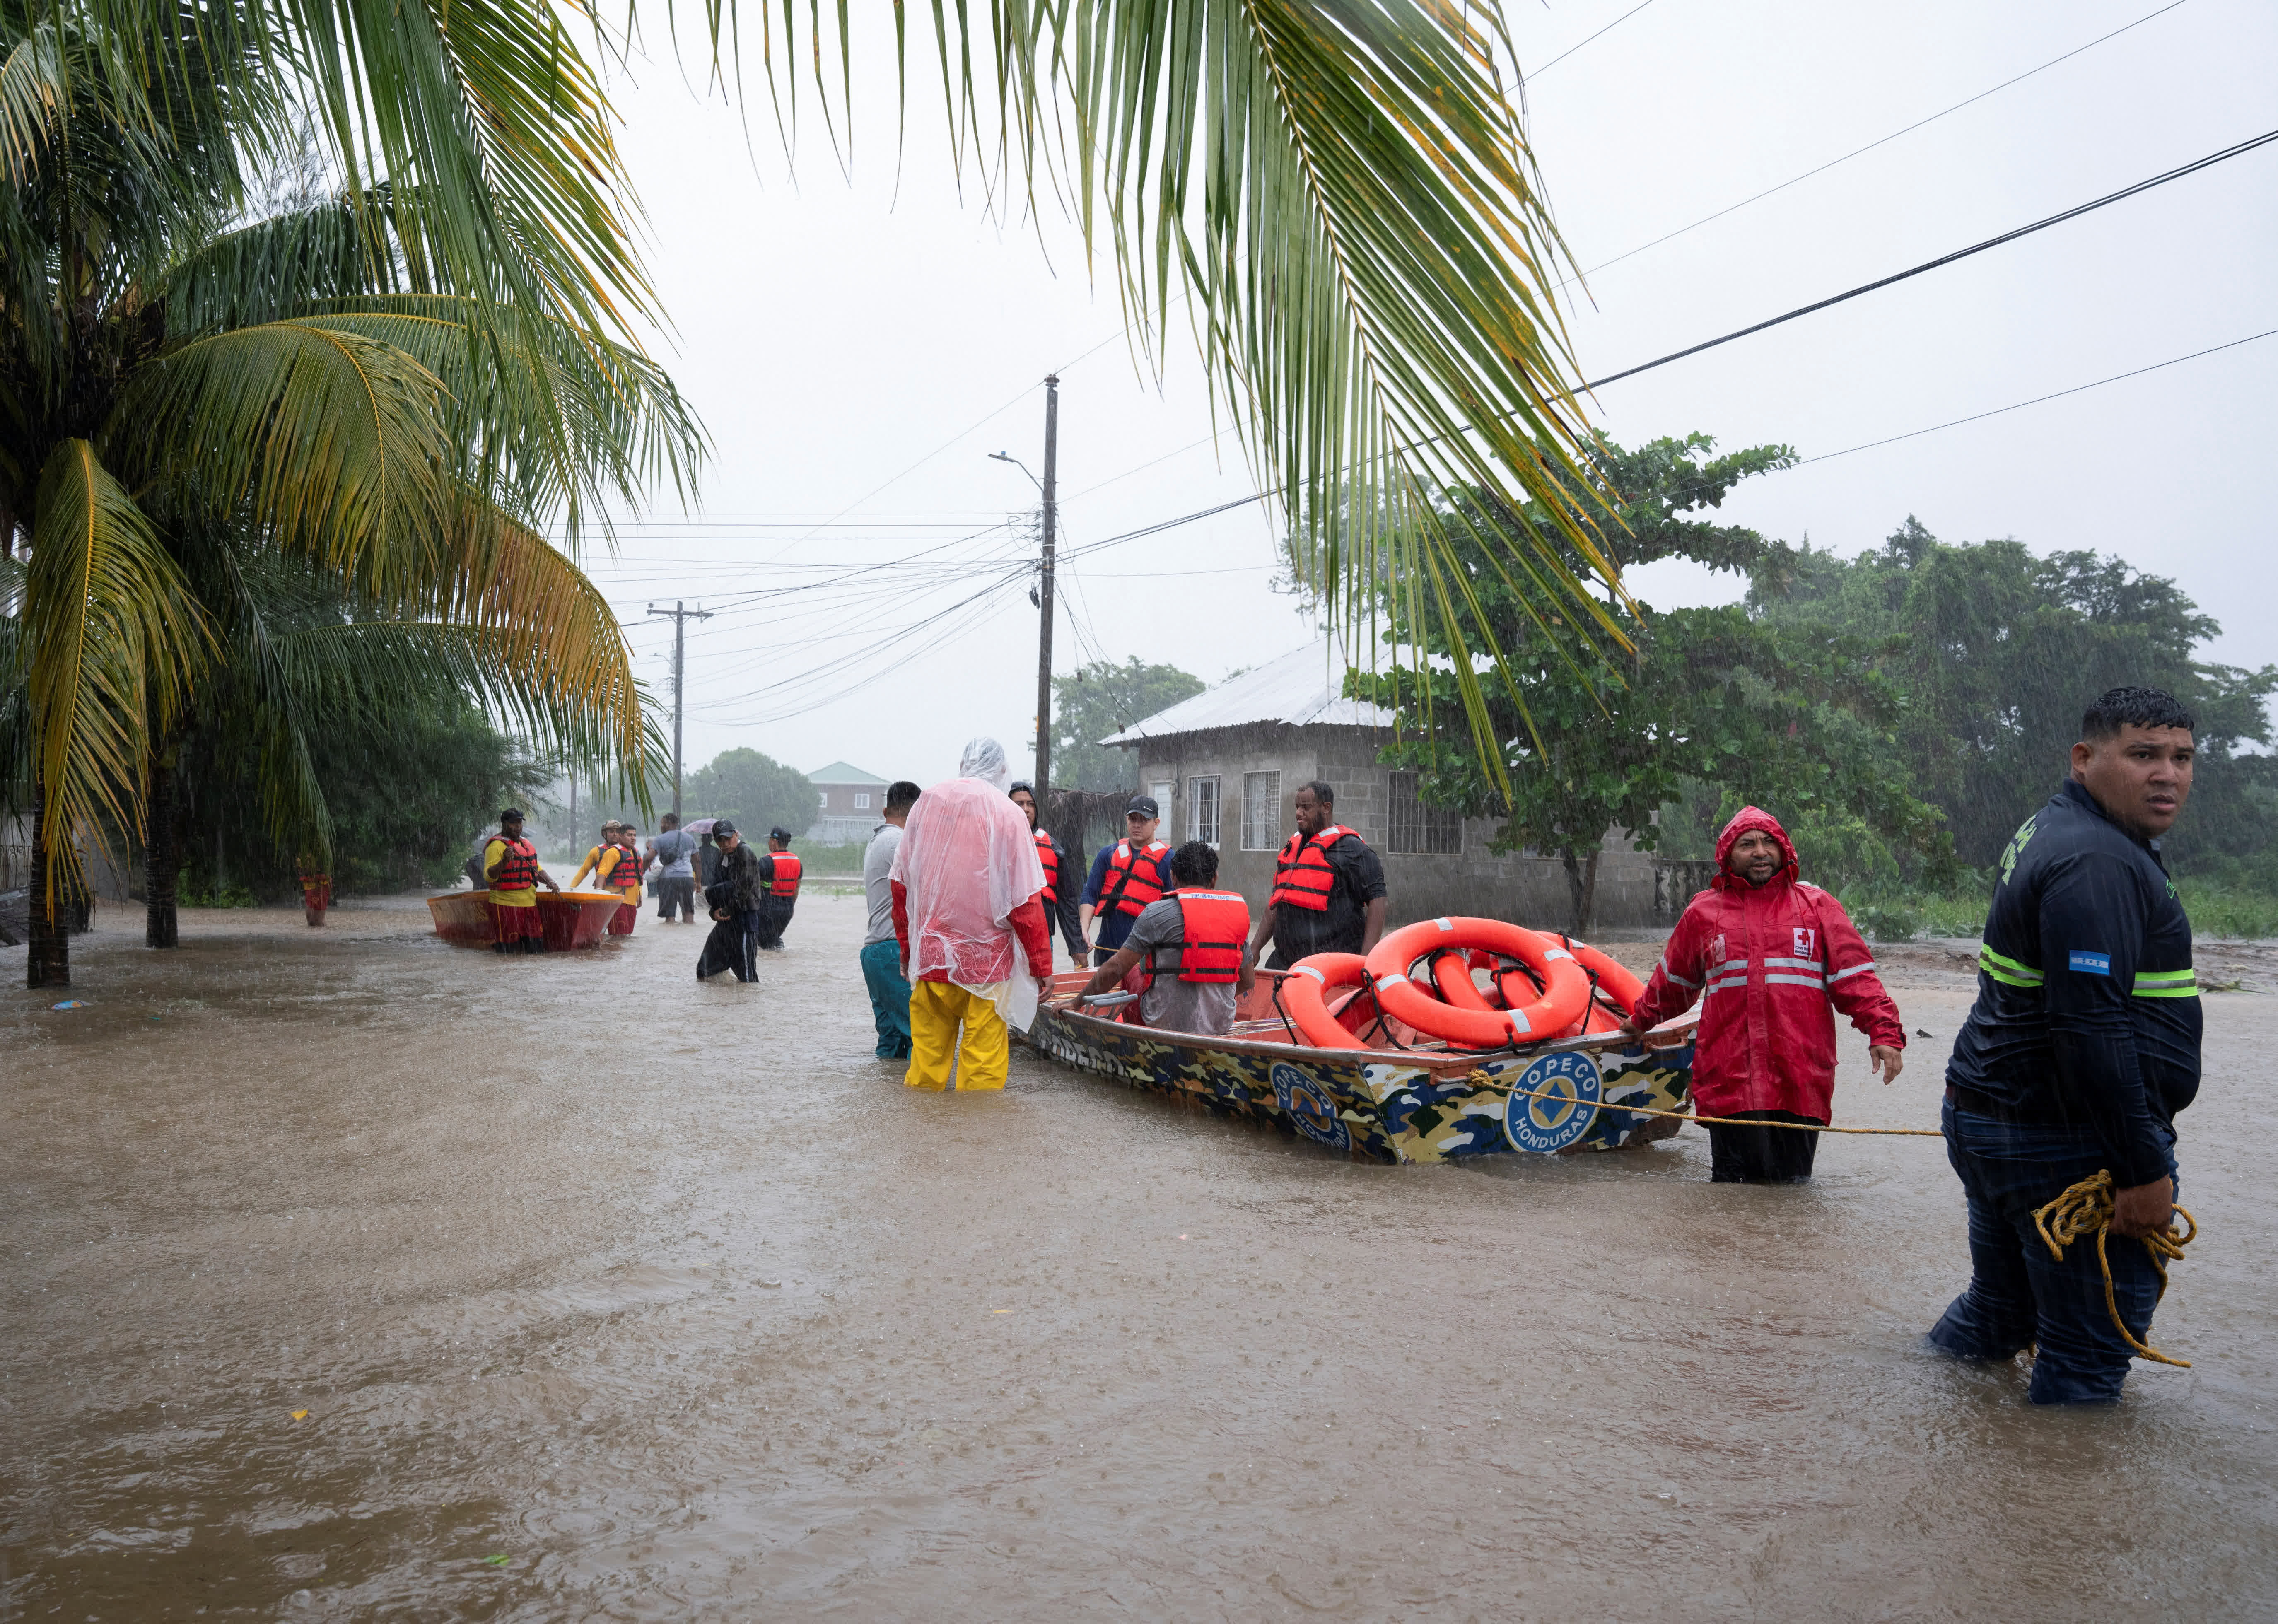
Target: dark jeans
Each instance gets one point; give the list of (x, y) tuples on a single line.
[(2019, 1295), (1762, 1155), (772, 920), (675, 894)]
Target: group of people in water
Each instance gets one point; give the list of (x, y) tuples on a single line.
[(2081, 1048), (749, 896), (2063, 1085)]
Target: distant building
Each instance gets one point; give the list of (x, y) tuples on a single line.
[(1224, 764), (848, 801)]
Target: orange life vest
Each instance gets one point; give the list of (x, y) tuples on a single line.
[(517, 868), (625, 875), (787, 871), (1048, 852), (1215, 932), (1129, 889), (1302, 875)]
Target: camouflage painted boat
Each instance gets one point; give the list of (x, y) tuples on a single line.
[(1418, 1103)]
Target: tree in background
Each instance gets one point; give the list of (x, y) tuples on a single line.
[(754, 791), (1794, 717), (1102, 698), (394, 388), (1998, 652)]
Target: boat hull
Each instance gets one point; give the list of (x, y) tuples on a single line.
[(1372, 1105), (570, 918)]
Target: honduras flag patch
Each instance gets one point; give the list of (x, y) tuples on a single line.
[(2084, 963)]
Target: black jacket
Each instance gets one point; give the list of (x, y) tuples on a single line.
[(2088, 1011)]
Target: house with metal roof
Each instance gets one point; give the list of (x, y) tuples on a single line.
[(1225, 764), (848, 801)]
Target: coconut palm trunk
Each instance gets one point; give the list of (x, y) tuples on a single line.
[(162, 850), (47, 963)]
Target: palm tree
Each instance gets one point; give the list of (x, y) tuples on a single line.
[(186, 392), (1343, 189)]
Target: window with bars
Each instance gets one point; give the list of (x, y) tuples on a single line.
[(1417, 828), (1202, 809), (1261, 811)]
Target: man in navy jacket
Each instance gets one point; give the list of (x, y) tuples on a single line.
[(2081, 1047)]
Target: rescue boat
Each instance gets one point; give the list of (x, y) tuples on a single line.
[(571, 918), (1398, 1095)]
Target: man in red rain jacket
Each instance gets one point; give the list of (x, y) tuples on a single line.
[(1766, 955)]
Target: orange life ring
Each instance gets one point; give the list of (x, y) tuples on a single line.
[(1615, 979), (1564, 996), (1304, 998)]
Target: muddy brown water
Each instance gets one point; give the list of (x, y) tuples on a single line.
[(609, 1295)]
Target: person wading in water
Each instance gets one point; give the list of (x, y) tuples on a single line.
[(511, 870), (1771, 959), (2082, 1046)]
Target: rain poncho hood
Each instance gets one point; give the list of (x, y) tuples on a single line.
[(1745, 819), (965, 862)]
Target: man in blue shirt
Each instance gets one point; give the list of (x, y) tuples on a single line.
[(1125, 875), (2082, 1046)]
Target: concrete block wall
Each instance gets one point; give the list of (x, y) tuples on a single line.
[(1530, 890)]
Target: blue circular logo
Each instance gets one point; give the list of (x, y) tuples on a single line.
[(1308, 1103), (1560, 1105)]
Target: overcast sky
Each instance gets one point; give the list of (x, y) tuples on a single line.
[(857, 343)]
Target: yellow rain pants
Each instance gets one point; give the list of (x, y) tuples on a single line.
[(982, 1058)]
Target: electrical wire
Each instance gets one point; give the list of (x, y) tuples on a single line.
[(1859, 151), (2058, 395), (2072, 213), (1571, 49)]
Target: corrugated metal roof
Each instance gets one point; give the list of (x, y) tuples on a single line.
[(842, 772), (1300, 689)]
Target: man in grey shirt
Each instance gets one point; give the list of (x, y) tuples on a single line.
[(1162, 939), (676, 879), (882, 955)]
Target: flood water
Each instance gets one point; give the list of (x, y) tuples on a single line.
[(611, 1296)]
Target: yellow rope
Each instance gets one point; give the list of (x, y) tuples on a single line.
[(1485, 1081), (2085, 1209)]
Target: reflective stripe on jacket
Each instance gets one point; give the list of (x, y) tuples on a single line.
[(1214, 932), (1133, 884), (1303, 876), (1771, 966)]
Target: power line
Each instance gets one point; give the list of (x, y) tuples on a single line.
[(1571, 49), (2074, 213), (1869, 147), (1980, 417)]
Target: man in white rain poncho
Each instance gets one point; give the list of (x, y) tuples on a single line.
[(969, 914)]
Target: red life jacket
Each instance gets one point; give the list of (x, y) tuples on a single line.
[(1302, 875), (626, 875), (1048, 852), (517, 868), (1130, 889), (1215, 932), (787, 871)]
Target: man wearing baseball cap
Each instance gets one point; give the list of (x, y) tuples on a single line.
[(1125, 878), (779, 875)]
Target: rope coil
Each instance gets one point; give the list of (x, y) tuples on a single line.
[(2086, 1209)]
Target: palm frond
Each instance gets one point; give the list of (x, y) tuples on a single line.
[(547, 421), (332, 441), (1346, 194), (112, 638)]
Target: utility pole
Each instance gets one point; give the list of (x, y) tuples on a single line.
[(680, 615), (1044, 596)]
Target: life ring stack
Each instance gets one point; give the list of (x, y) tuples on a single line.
[(1422, 980)]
